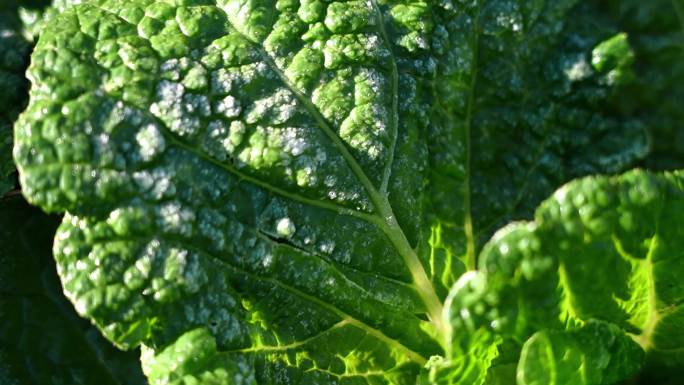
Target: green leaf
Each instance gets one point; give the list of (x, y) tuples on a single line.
[(614, 57), (245, 251), (470, 366), (302, 182), (196, 360), (596, 353), (603, 248), (525, 113), (42, 339), (34, 14)]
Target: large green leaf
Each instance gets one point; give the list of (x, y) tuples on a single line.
[(35, 14), (601, 248), (42, 340), (527, 111), (288, 189)]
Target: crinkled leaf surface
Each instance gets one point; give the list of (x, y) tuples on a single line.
[(36, 14), (596, 353), (601, 248), (42, 339), (287, 189), (229, 186)]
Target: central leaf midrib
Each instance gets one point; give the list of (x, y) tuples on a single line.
[(293, 345), (389, 224), (395, 99), (551, 360), (567, 300)]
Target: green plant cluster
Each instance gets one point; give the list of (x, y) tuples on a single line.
[(341, 192)]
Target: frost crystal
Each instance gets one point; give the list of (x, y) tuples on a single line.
[(151, 142), (285, 227), (228, 107)]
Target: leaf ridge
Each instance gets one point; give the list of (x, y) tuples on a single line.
[(382, 206), (323, 124), (644, 339), (326, 305), (415, 356), (267, 186), (294, 345)]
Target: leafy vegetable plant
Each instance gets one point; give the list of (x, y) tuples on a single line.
[(282, 191)]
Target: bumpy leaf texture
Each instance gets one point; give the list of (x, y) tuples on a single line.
[(281, 191), (37, 13), (597, 353), (532, 113), (601, 250), (42, 339)]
